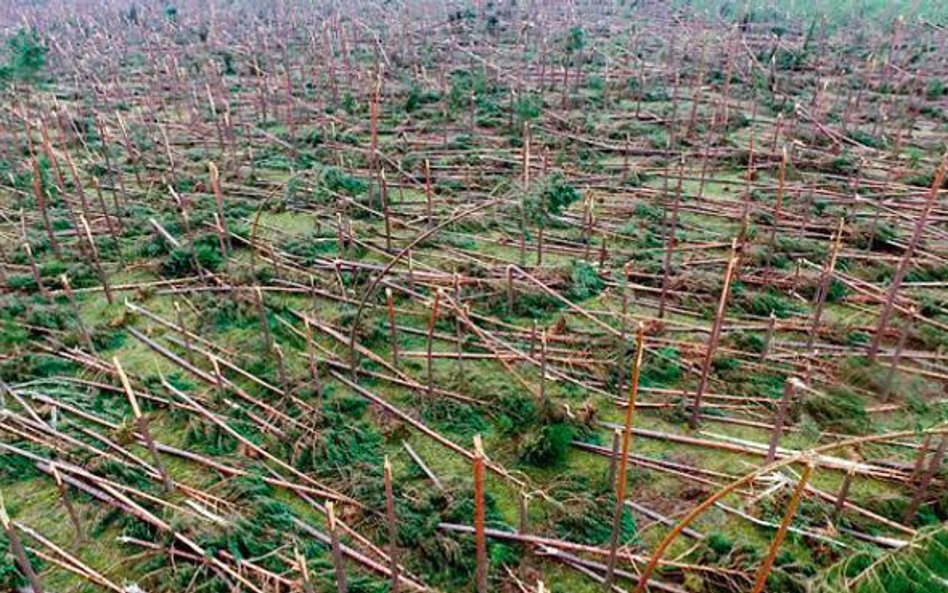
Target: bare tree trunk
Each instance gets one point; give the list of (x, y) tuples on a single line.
[(480, 537), (764, 571), (906, 260), (768, 337), (788, 389), (843, 494), (84, 332), (897, 355), (304, 571), (16, 546), (40, 195), (337, 559), (934, 465), (624, 458), (142, 425), (823, 289), (614, 457), (715, 335), (34, 270), (391, 324), (392, 525), (67, 502), (431, 326), (671, 240)]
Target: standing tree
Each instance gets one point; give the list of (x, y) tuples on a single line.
[(26, 57), (544, 201), (574, 43)]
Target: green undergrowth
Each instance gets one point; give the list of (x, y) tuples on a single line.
[(920, 567)]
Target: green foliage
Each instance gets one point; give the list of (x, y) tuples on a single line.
[(725, 364), (312, 246), (752, 342), (789, 59), (876, 237), (842, 165), (770, 301), (662, 369), (26, 56), (518, 411), (417, 98), (15, 467), (548, 445), (763, 384), (457, 417), (867, 139), (209, 438), (936, 89), (413, 100), (839, 410), (345, 440), (117, 518), (586, 518), (719, 543), (547, 199), (124, 474), (33, 366), (466, 84), (530, 304), (340, 182), (11, 579), (575, 40), (927, 273), (649, 212), (836, 291), (584, 281), (12, 334), (184, 261), (528, 106), (918, 568), (253, 536)]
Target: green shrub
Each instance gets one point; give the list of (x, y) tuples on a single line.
[(457, 417), (11, 579), (548, 198), (770, 301), (936, 89), (587, 519), (518, 412), (584, 281), (839, 410), (312, 246), (916, 568), (340, 182), (752, 342), (548, 445), (26, 56), (181, 261), (662, 369)]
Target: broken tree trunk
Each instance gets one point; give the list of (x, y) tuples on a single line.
[(142, 424), (624, 459), (390, 304), (768, 563), (934, 465), (336, 547), (902, 269), (789, 387), (480, 538), (392, 524), (16, 546), (715, 335)]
